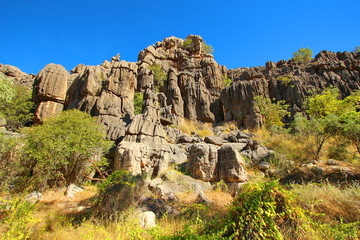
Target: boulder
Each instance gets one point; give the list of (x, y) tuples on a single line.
[(147, 220), (72, 189), (230, 165), (203, 162), (216, 140)]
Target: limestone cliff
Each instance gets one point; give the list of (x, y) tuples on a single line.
[(286, 80)]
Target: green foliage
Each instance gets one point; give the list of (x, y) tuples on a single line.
[(18, 111), (330, 116), (357, 49), (118, 177), (187, 43), (303, 56), (286, 80), (265, 210), (226, 81), (271, 112), (159, 75), (349, 128), (207, 48), (138, 101), (17, 218), (9, 160), (55, 152), (7, 93)]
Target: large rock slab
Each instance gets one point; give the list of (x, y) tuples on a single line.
[(231, 165), (203, 162)]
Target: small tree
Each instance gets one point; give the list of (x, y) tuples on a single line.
[(159, 75), (56, 152), (272, 113), (207, 48), (302, 56), (329, 116), (357, 49), (138, 101)]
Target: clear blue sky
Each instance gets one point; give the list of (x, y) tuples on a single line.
[(243, 33)]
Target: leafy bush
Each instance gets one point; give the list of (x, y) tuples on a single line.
[(9, 160), (7, 93), (357, 49), (187, 42), (285, 79), (272, 113), (159, 75), (303, 56), (17, 218), (118, 192), (55, 153), (226, 81), (265, 210), (18, 111), (138, 101)]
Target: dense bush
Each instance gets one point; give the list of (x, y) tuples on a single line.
[(117, 193), (16, 105), (56, 152), (265, 210), (19, 110), (272, 113)]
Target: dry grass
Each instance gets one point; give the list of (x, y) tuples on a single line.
[(231, 126), (202, 129), (332, 202)]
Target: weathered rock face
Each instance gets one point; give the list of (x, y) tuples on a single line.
[(194, 79), (327, 69), (17, 76), (192, 89), (50, 89)]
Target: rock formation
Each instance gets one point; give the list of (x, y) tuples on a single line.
[(193, 89), (17, 76), (286, 80)]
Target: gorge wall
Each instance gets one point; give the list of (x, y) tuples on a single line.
[(193, 89)]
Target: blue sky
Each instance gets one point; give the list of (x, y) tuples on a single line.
[(243, 33)]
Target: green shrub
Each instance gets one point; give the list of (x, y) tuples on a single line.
[(265, 210), (226, 81), (55, 153), (357, 49), (138, 101), (7, 93), (118, 193), (159, 75), (272, 113), (19, 110), (207, 48), (187, 42), (303, 56), (17, 218), (286, 80)]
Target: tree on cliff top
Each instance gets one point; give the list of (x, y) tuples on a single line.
[(303, 56)]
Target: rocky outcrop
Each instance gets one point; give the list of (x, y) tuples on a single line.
[(50, 89), (286, 80), (17, 76)]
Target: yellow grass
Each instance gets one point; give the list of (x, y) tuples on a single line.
[(202, 129)]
